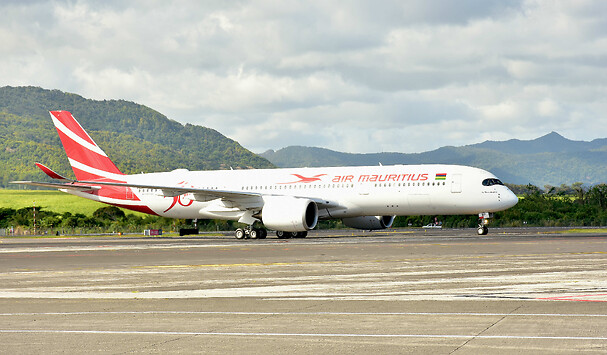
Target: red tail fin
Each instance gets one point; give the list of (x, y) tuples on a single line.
[(88, 161)]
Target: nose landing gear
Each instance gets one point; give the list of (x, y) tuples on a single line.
[(484, 219)]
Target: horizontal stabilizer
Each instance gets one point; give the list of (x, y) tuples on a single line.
[(57, 185), (51, 173)]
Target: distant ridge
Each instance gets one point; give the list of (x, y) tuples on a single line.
[(136, 137), (550, 143), (548, 160)]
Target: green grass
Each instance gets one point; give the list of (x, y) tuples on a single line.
[(586, 230), (55, 201)]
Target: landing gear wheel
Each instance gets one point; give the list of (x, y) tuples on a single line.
[(240, 234), (482, 230), (283, 235), (263, 233), (254, 233), (484, 219), (299, 234)]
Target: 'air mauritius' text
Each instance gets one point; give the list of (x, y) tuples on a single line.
[(381, 178)]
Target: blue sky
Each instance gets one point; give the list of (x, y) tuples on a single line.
[(356, 76)]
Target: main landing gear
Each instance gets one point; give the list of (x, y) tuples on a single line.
[(484, 219), (250, 232), (287, 235)]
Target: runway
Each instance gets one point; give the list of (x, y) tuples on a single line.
[(396, 291)]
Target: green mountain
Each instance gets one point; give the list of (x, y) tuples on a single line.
[(136, 137), (548, 160)]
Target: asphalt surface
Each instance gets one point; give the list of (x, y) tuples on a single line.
[(417, 291)]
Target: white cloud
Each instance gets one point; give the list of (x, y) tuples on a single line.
[(360, 76), (547, 108)]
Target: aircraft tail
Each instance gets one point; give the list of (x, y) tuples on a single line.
[(88, 161)]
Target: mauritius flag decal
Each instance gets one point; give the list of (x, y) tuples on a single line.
[(441, 177)]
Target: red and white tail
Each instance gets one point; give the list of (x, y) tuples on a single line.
[(88, 161)]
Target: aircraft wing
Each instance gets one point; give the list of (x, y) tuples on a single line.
[(244, 200), (172, 191)]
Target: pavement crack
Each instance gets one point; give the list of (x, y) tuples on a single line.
[(152, 346), (486, 329)]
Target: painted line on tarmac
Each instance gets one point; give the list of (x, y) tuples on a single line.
[(472, 314), (579, 298), (54, 249), (319, 335), (59, 249), (412, 259)]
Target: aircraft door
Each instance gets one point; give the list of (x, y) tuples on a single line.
[(364, 188), (456, 183), (129, 194)]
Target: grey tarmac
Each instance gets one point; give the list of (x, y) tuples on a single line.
[(396, 291)]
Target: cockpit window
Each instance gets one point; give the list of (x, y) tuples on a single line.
[(491, 182)]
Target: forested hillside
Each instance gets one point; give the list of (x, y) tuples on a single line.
[(136, 137), (548, 160)]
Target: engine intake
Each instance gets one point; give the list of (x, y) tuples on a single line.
[(289, 214), (369, 222)]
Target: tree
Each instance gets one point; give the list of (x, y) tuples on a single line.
[(597, 195), (111, 213), (580, 191)]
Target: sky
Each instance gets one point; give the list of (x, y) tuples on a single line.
[(353, 76)]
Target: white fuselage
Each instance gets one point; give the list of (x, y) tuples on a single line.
[(340, 192)]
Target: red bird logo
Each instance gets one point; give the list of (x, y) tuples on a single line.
[(303, 179)]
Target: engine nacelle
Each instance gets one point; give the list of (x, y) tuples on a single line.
[(289, 214), (369, 222)]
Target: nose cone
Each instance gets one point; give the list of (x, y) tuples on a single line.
[(509, 199)]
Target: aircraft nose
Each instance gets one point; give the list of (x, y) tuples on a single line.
[(509, 199)]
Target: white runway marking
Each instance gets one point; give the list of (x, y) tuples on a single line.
[(55, 249), (319, 335), (311, 313), (110, 247)]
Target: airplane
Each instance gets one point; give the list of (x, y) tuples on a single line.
[(289, 201)]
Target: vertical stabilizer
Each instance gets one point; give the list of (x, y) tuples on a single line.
[(88, 161)]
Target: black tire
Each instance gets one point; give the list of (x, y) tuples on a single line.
[(263, 233), (299, 234), (239, 233), (482, 230), (254, 233), (283, 235)]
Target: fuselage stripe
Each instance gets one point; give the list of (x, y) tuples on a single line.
[(88, 169), (75, 152), (76, 138)]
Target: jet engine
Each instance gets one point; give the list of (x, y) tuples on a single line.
[(289, 214), (369, 222)]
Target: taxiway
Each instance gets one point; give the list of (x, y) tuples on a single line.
[(397, 291)]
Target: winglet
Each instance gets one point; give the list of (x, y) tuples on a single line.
[(51, 173)]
